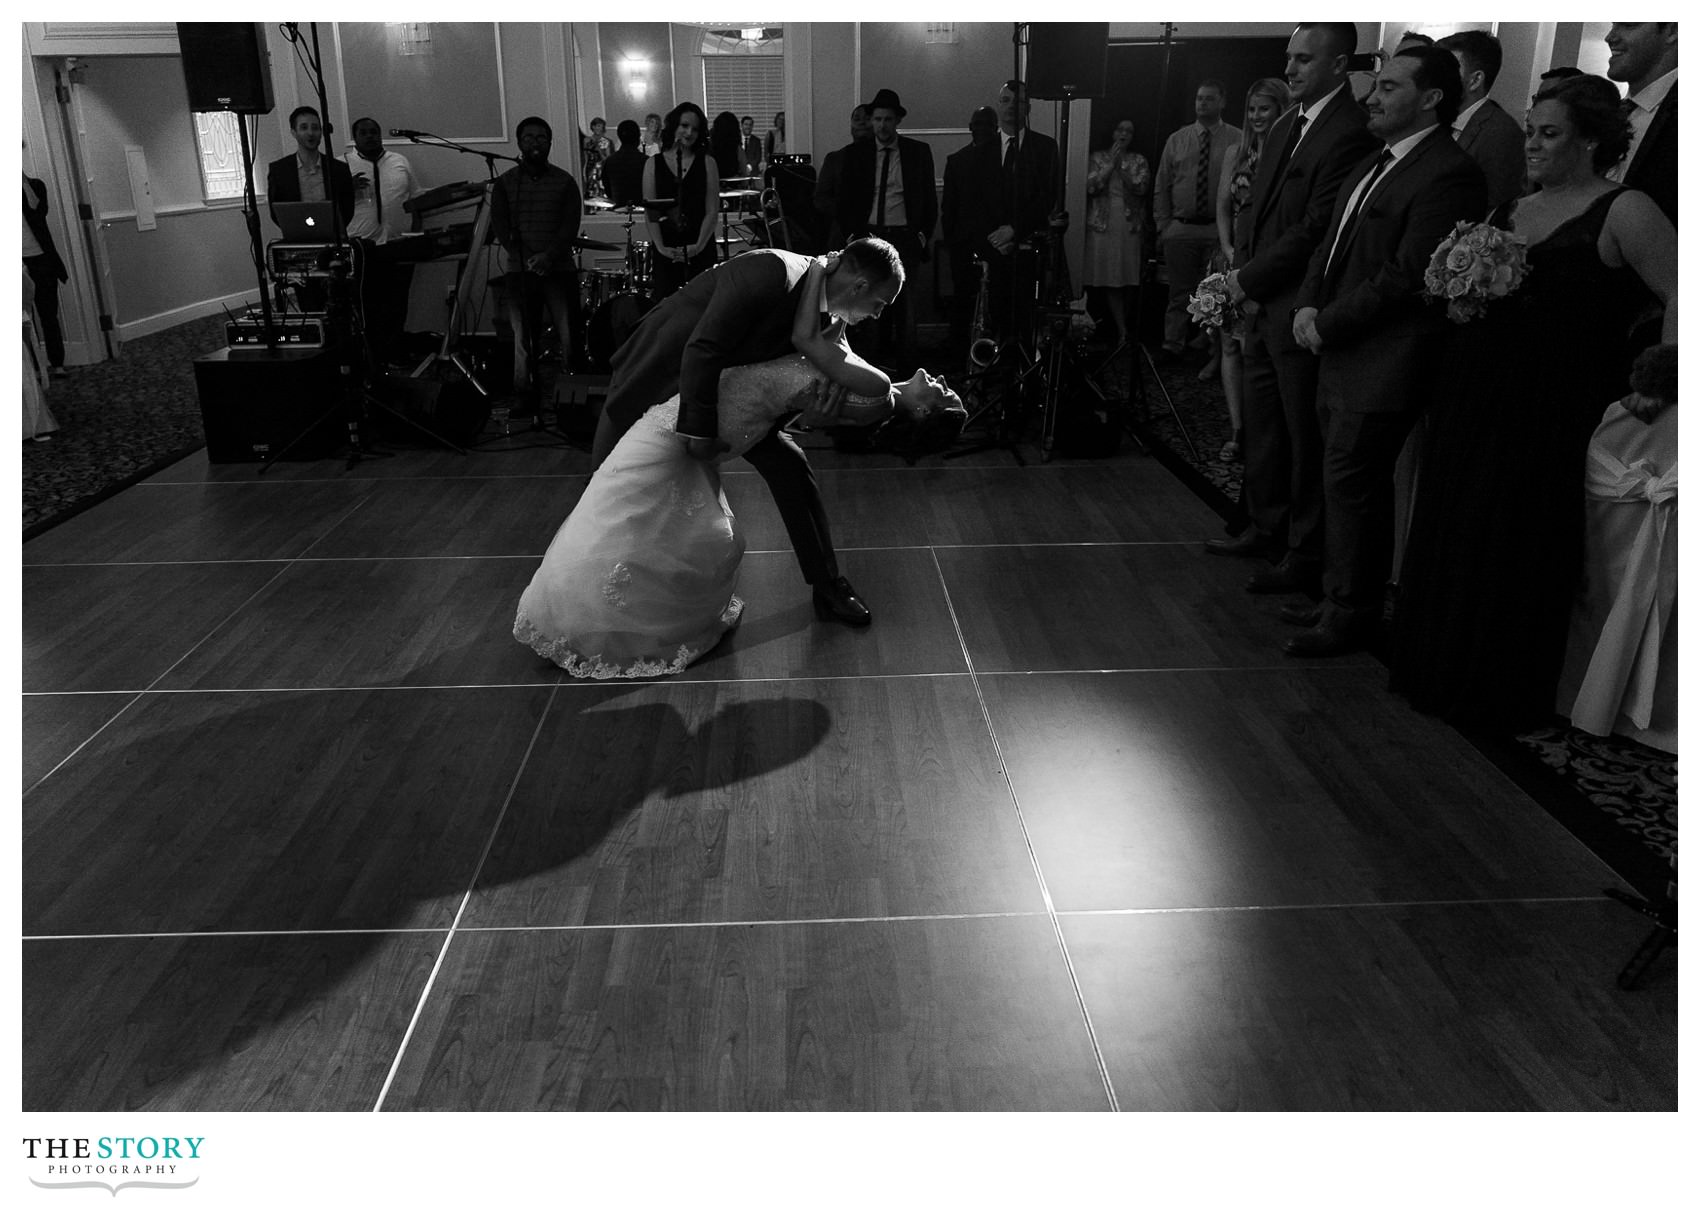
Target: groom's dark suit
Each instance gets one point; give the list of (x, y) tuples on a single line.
[(738, 313), (1379, 339), (1290, 205)]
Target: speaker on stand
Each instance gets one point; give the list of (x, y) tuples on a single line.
[(225, 66)]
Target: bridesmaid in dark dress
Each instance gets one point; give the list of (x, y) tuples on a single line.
[(1495, 549), (683, 232)]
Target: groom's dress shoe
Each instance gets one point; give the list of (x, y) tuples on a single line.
[(1288, 577), (1249, 542), (837, 599)]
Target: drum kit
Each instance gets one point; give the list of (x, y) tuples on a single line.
[(613, 301)]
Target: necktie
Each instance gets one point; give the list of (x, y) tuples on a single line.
[(1201, 195), (377, 194), (885, 178), (1287, 151), (1351, 220)]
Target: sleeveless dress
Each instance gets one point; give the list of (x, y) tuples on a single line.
[(680, 229), (1495, 547), (641, 579)]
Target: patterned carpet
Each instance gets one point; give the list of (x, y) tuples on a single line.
[(119, 421), (122, 420)]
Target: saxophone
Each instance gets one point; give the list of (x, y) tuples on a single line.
[(982, 348)]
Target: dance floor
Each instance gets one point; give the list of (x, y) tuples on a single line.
[(304, 828)]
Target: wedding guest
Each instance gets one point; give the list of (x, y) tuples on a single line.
[(773, 143), (1643, 56), (1118, 181), (597, 148), (623, 173), (1189, 172), (1361, 310), (726, 145), (651, 144), (1012, 191), (534, 214), (832, 170), (46, 271), (1495, 550), (1264, 103), (752, 146), (953, 224), (887, 191), (1312, 148), (686, 178), (1492, 137)]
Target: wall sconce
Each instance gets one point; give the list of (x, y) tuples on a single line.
[(637, 77), (412, 37), (941, 32)]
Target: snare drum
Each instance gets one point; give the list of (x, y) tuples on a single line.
[(640, 266), (612, 324), (596, 287)]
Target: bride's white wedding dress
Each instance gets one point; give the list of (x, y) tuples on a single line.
[(641, 579)]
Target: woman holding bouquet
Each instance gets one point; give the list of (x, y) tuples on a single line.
[(1264, 102), (1495, 550), (1116, 188)]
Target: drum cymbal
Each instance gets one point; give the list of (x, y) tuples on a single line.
[(598, 204), (601, 246), (731, 180), (657, 203), (726, 195), (631, 208)]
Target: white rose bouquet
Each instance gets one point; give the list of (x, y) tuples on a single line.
[(1475, 264), (1210, 304)]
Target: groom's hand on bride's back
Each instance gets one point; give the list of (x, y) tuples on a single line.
[(820, 399)]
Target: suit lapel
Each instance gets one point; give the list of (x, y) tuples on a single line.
[(1393, 180), (1655, 129), (1267, 187)]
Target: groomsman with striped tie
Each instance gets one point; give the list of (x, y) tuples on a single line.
[(1184, 204)]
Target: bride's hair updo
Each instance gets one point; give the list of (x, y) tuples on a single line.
[(1596, 111)]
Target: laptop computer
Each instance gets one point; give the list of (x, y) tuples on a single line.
[(306, 222)]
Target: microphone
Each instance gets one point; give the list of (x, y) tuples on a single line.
[(405, 134)]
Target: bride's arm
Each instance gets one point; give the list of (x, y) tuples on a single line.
[(825, 348)]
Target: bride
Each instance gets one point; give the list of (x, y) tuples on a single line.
[(640, 579)]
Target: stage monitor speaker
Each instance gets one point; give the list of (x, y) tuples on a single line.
[(225, 66), (449, 407), (1067, 58), (255, 404)]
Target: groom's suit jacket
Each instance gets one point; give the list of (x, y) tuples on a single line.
[(1377, 331), (739, 312)]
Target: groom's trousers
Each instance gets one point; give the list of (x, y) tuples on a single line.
[(781, 462)]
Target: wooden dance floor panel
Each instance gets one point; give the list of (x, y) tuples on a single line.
[(304, 828)]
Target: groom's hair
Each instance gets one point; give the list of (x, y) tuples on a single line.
[(872, 258)]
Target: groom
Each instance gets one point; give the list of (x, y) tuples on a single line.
[(742, 312), (1361, 309)]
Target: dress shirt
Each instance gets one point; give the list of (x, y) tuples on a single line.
[(895, 214), (312, 179), (1177, 174), (1642, 106), (1464, 116), (1311, 112), (1400, 150), (396, 184)]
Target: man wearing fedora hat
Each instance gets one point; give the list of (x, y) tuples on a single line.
[(886, 190)]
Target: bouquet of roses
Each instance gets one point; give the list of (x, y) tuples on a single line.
[(1210, 304), (1474, 264)]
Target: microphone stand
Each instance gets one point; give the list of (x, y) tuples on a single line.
[(480, 237)]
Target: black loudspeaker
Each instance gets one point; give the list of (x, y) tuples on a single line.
[(225, 66), (450, 408), (1067, 58), (254, 404)]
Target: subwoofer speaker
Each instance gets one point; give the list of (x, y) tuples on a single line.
[(225, 66), (1067, 59), (254, 404)]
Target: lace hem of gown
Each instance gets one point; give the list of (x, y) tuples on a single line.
[(561, 652)]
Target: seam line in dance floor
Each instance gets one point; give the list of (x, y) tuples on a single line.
[(1129, 912)]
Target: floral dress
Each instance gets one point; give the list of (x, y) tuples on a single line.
[(1115, 219)]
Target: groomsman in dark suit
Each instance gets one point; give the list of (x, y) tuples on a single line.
[(741, 312), (1311, 148), (1362, 310), (887, 190), (1492, 137), (1013, 191), (1643, 56)]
